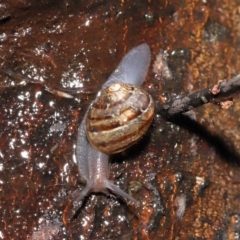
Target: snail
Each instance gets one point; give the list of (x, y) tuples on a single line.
[(97, 140)]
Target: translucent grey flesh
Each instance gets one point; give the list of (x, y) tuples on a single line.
[(93, 164)]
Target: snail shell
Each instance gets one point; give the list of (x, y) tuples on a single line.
[(119, 117)]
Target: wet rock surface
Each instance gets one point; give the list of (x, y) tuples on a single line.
[(185, 174)]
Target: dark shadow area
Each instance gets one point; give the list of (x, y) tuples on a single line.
[(221, 147), (5, 19), (134, 150)]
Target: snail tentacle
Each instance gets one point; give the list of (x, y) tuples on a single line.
[(121, 193)]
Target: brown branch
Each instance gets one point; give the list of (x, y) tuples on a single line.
[(23, 80), (221, 94)]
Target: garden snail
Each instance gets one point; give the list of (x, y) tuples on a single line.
[(93, 162)]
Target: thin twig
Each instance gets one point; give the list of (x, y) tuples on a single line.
[(58, 91), (224, 91), (222, 94)]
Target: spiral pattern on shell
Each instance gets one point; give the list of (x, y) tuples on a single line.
[(118, 117)]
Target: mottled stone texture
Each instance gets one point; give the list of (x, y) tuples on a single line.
[(185, 174)]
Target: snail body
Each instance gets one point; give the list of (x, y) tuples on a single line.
[(93, 155)]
